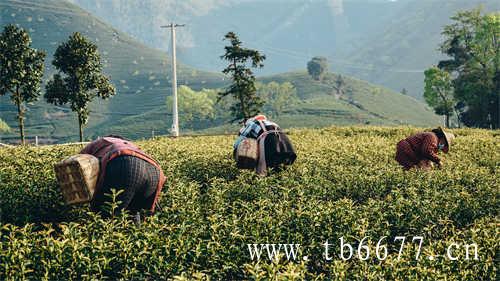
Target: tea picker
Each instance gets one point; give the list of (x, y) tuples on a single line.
[(111, 163), (420, 151), (262, 144)]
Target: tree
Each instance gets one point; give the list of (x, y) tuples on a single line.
[(193, 105), (248, 103), (472, 43), (339, 85), (4, 127), (80, 77), (438, 92), (317, 67), (278, 96), (404, 91), (21, 70)]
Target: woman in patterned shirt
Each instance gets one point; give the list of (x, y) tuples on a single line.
[(420, 150)]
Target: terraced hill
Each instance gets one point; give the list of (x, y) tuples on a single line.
[(142, 78)]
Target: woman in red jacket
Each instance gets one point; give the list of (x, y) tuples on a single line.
[(124, 166), (420, 150)]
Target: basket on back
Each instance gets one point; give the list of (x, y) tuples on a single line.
[(247, 154), (77, 175)]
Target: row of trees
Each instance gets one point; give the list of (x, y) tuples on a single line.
[(467, 83), (206, 104), (78, 81)]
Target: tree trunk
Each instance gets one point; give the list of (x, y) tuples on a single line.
[(20, 116), (243, 107), (80, 125), (447, 120)]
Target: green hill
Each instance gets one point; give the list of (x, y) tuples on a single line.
[(318, 106), (141, 75), (364, 103)]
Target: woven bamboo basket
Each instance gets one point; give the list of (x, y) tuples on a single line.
[(247, 154), (77, 175)]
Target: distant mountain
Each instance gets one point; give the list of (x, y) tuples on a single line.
[(142, 77), (388, 42), (397, 55), (290, 32)]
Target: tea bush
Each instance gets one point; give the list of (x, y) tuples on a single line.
[(345, 183)]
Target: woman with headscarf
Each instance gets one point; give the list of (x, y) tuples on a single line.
[(421, 150)]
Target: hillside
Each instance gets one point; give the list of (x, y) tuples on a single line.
[(141, 75), (318, 106), (360, 103), (345, 183)]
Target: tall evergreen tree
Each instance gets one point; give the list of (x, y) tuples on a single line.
[(82, 80), (21, 70), (243, 89)]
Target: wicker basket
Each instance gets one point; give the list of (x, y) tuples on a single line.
[(77, 175), (247, 154)]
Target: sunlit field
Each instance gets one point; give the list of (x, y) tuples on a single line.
[(344, 184)]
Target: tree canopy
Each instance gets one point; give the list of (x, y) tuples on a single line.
[(4, 127), (317, 67), (438, 92), (193, 105), (278, 96), (473, 47), (21, 70), (80, 79)]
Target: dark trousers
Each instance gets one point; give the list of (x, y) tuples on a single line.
[(137, 178)]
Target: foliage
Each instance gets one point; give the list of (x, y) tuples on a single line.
[(3, 126), (340, 86), (193, 105), (21, 70), (317, 67), (79, 60), (138, 72), (439, 92), (248, 103), (472, 43), (278, 97), (344, 183)]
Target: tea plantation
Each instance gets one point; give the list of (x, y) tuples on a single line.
[(345, 183)]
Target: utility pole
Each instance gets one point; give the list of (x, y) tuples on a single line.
[(175, 123)]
